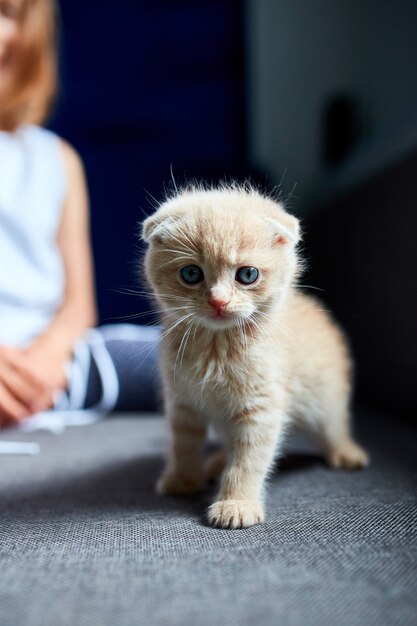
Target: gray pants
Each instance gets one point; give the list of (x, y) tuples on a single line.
[(115, 367)]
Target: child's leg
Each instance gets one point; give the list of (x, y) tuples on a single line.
[(121, 372), (134, 351)]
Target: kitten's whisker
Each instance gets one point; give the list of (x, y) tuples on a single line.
[(242, 330), (265, 316), (148, 353), (172, 251), (132, 316), (245, 335), (286, 333), (290, 334), (260, 329), (179, 225), (173, 179), (178, 322), (183, 307), (183, 345), (154, 312), (195, 331), (172, 296), (309, 287), (157, 203), (192, 245), (270, 318), (173, 338), (291, 194), (177, 258), (230, 334), (244, 340), (132, 292)]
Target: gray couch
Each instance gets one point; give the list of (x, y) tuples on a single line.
[(84, 539)]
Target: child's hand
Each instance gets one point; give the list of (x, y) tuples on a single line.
[(49, 364), (22, 390)]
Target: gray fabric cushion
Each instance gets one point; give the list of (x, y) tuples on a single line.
[(84, 540)]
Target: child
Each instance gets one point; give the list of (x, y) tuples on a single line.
[(48, 358)]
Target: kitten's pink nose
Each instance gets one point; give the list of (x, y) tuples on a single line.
[(219, 305)]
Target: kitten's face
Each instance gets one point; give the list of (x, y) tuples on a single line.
[(220, 258)]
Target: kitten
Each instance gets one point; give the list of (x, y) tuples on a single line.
[(243, 349)]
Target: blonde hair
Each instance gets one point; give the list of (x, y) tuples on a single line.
[(36, 82)]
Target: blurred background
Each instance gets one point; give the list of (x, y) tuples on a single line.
[(315, 97)]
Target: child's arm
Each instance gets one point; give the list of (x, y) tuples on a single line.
[(29, 377), (49, 353)]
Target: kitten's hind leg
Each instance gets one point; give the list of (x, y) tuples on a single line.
[(184, 472), (348, 455), (332, 433)]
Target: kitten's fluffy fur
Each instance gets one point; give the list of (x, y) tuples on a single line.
[(265, 357)]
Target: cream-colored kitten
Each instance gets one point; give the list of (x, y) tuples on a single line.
[(243, 348)]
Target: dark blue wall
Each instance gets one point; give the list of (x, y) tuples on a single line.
[(146, 85)]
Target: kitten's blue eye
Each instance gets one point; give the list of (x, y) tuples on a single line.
[(247, 275), (192, 274)]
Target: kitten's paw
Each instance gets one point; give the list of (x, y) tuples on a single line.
[(174, 484), (235, 513), (348, 456), (214, 465)]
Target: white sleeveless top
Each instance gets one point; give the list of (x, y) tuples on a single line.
[(33, 187)]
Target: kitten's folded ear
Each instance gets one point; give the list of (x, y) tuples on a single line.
[(285, 228), (157, 227)]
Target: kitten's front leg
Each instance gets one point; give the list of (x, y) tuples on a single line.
[(252, 448), (184, 473)]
